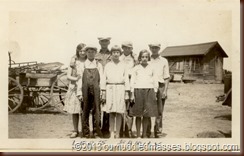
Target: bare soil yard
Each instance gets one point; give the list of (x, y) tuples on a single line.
[(190, 109)]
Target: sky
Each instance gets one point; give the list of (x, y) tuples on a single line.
[(48, 31)]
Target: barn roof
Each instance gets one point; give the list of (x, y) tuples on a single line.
[(195, 49)]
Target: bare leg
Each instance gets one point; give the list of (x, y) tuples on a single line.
[(111, 122), (75, 118), (129, 122), (138, 126), (118, 124)]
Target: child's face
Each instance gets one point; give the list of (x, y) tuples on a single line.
[(91, 53), (82, 53), (104, 43), (144, 58), (154, 50), (127, 50), (116, 55)]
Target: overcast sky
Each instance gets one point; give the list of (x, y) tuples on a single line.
[(50, 32)]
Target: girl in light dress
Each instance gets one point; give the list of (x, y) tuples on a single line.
[(73, 96), (116, 87)]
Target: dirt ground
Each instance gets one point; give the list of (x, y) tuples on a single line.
[(190, 109)]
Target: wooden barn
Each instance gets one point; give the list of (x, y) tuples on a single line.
[(196, 62)]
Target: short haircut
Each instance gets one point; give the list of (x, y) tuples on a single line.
[(142, 52)]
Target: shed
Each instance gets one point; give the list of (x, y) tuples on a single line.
[(202, 61)]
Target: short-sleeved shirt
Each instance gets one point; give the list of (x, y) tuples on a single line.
[(161, 66)]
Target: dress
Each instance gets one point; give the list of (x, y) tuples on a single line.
[(116, 82), (72, 103), (144, 84)]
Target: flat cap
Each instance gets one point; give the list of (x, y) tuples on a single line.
[(155, 45), (115, 48), (127, 44), (90, 47), (104, 38)]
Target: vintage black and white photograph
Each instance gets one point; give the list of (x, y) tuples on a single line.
[(121, 75)]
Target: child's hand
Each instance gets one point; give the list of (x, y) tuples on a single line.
[(78, 77), (132, 98), (156, 96), (80, 97), (103, 95), (126, 95), (164, 95), (103, 102)]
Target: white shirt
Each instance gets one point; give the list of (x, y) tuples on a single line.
[(144, 77), (161, 66), (115, 73), (129, 62), (94, 64)]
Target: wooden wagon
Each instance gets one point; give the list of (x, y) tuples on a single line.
[(35, 86)]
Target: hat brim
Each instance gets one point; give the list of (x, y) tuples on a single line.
[(127, 46), (116, 50), (101, 38), (86, 48), (152, 45)]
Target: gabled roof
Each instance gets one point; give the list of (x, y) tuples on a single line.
[(195, 49)]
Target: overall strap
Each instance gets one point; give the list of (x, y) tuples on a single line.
[(96, 64)]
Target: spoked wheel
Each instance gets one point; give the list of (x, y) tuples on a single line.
[(15, 95), (58, 91), (39, 97)]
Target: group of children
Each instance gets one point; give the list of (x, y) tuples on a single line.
[(116, 86)]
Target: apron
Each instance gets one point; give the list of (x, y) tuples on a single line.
[(91, 98)]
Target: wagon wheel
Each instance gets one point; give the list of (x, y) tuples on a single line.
[(58, 92), (39, 97), (15, 95)]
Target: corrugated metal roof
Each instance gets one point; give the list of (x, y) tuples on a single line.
[(195, 49)]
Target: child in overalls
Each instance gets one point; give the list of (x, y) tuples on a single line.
[(73, 96), (91, 92)]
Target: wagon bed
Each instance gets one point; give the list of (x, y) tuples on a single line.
[(35, 87)]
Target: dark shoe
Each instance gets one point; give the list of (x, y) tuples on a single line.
[(157, 134), (148, 134), (106, 135)]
